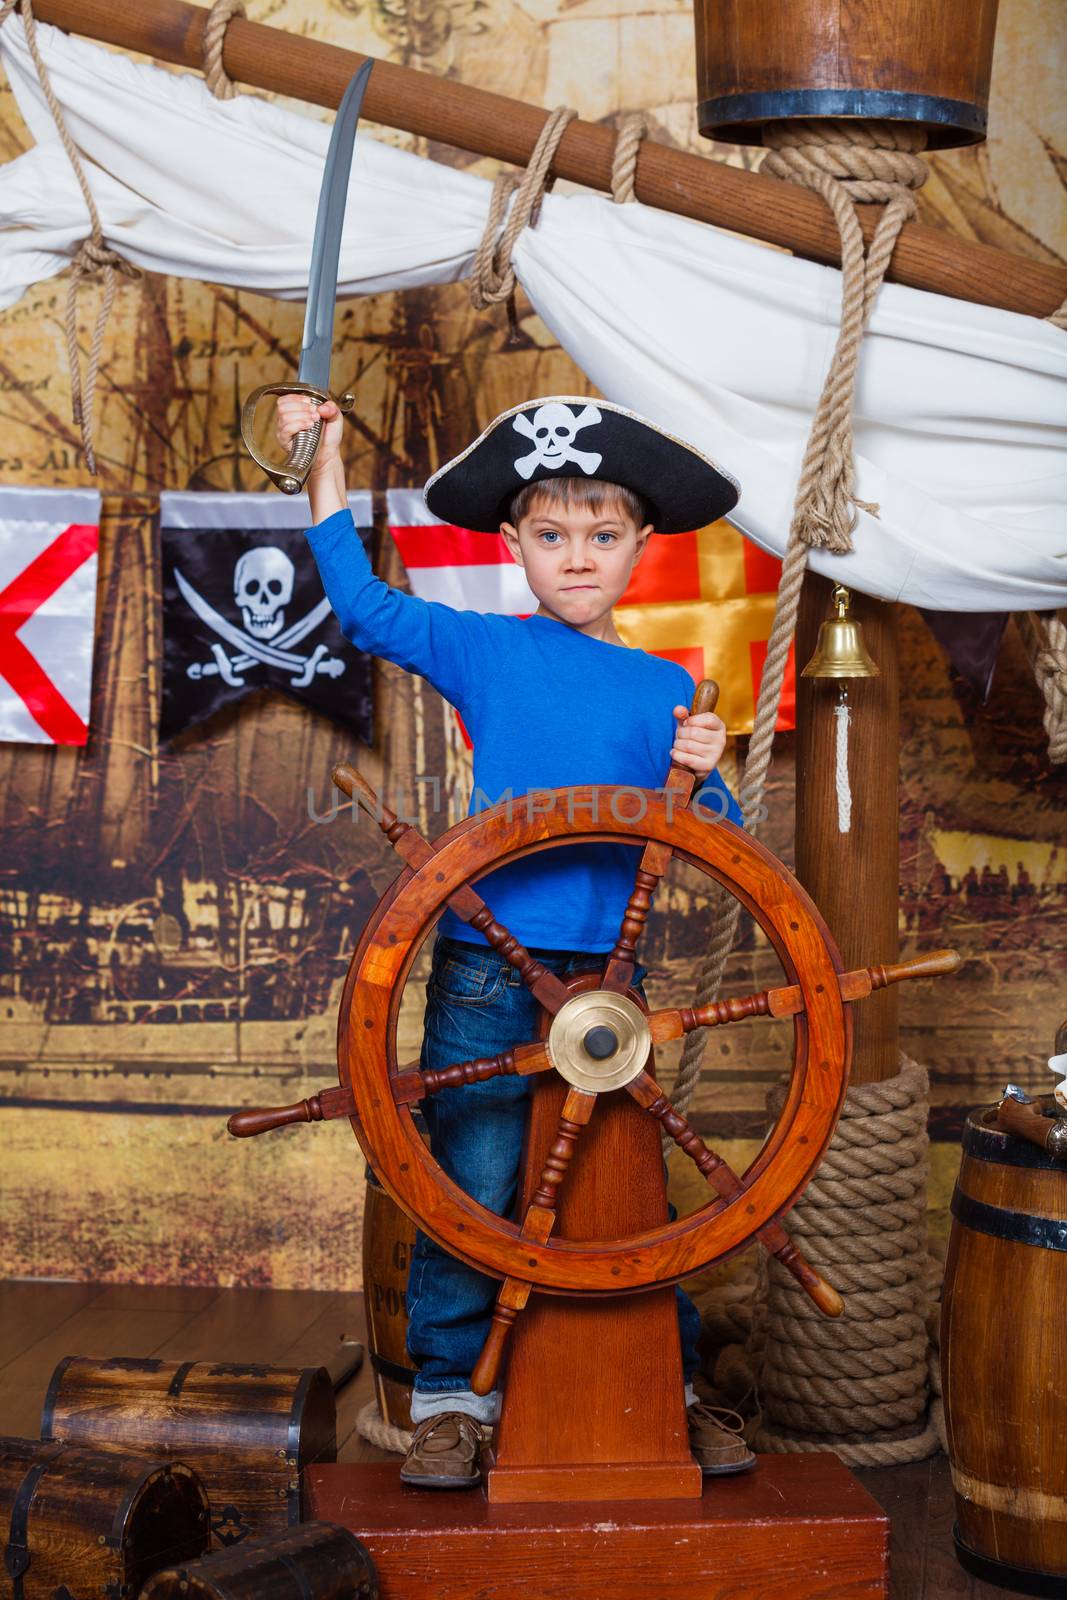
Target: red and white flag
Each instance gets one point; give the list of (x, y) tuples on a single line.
[(468, 571), (48, 551)]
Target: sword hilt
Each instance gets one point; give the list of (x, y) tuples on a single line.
[(291, 475)]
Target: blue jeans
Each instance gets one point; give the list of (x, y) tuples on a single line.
[(477, 1005)]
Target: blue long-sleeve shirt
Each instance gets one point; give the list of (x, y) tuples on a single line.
[(546, 707)]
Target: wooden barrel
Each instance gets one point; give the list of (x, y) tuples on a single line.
[(248, 1430), (1004, 1360), (388, 1240), (317, 1559), (923, 61), (94, 1524)]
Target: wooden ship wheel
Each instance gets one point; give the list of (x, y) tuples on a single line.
[(597, 1044)]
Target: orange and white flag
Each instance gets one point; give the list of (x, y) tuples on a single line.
[(48, 549), (706, 600), (703, 599)]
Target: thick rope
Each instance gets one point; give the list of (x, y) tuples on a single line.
[(870, 163), (1045, 637), (632, 129), (93, 257), (214, 43), (492, 276), (372, 1426), (858, 1384), (848, 164)]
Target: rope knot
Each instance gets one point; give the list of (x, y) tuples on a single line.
[(93, 257), (492, 275)]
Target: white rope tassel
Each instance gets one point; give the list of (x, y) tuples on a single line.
[(844, 793)]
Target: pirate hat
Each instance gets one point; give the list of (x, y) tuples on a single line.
[(564, 435)]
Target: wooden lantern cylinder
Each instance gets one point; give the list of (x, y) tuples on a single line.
[(1003, 1354), (918, 61)]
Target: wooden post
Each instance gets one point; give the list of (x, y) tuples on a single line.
[(494, 125), (853, 877)]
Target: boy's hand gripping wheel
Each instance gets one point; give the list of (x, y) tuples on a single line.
[(598, 1041)]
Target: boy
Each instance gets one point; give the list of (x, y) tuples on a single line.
[(551, 701)]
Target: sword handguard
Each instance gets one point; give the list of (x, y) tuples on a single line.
[(291, 475)]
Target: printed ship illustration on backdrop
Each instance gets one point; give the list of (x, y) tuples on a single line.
[(112, 1008)]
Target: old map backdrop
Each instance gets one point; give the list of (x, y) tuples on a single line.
[(176, 922)]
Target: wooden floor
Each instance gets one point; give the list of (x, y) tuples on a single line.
[(40, 1323)]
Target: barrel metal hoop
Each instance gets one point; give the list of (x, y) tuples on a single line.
[(1024, 1580), (1017, 1227), (392, 1370), (157, 1469), (174, 1388), (991, 1144), (17, 1553), (296, 1412), (738, 117), (49, 1410)]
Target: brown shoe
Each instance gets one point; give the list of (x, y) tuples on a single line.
[(716, 1442), (444, 1453)]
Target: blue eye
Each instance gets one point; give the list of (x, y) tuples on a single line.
[(549, 534), (605, 535)]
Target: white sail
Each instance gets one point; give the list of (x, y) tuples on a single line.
[(961, 422)]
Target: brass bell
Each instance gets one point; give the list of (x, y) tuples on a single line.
[(840, 651)]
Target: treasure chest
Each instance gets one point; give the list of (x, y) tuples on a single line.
[(317, 1559), (249, 1431), (94, 1524)]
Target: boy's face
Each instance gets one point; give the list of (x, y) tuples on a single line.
[(577, 562)]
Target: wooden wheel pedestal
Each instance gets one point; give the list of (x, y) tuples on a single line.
[(590, 1488)]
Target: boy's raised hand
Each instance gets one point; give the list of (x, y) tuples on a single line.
[(295, 412), (699, 740)]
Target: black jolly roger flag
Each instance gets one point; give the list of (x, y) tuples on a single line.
[(244, 609)]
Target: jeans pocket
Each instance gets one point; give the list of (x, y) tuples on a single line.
[(468, 983)]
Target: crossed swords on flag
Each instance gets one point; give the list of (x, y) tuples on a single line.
[(303, 668)]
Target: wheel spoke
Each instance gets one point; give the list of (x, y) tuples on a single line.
[(523, 1059), (724, 1180), (655, 859), (538, 1223), (619, 969), (409, 843)]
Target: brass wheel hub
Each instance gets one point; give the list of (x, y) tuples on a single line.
[(599, 1041)]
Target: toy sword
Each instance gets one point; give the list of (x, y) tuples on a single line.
[(313, 376)]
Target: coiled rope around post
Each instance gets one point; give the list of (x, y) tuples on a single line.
[(848, 164), (859, 1384)]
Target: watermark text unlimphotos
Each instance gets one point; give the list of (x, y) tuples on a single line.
[(621, 803)]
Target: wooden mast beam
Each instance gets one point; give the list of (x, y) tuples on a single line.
[(494, 125)]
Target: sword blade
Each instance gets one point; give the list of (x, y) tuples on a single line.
[(317, 345)]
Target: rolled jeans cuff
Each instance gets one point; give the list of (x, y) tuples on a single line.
[(433, 1402)]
